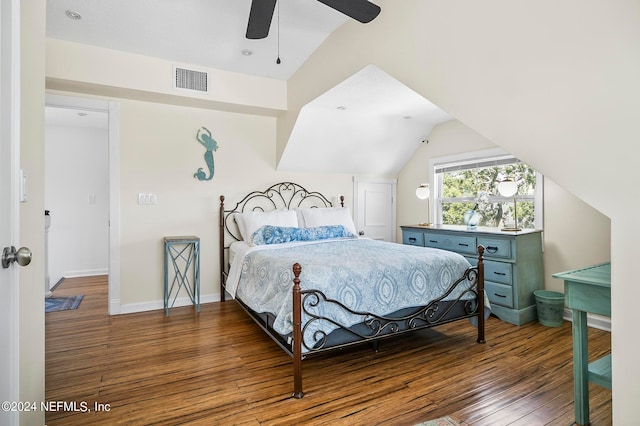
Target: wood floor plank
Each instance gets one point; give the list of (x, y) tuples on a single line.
[(218, 367)]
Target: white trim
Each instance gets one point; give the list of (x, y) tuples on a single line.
[(538, 204), (465, 156), (77, 103), (474, 163), (114, 306), (10, 132), (16, 118), (374, 180), (131, 308), (596, 321), (85, 273), (114, 208)]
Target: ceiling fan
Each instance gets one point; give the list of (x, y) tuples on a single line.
[(262, 11)]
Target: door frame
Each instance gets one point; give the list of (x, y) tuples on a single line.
[(357, 180), (10, 134), (113, 111)]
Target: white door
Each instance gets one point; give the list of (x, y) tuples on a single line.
[(375, 208), (9, 348)]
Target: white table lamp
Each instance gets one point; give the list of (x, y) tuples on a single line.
[(508, 188), (423, 192)]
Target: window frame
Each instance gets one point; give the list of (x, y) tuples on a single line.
[(499, 156)]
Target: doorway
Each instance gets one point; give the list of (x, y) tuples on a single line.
[(81, 191)]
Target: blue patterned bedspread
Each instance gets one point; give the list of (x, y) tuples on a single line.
[(364, 274)]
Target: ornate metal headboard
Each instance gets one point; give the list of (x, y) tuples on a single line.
[(283, 195)]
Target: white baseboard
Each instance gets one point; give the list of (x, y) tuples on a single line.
[(114, 307), (86, 273), (155, 305), (596, 321)]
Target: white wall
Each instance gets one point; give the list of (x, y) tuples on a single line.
[(159, 154), (555, 83), (77, 194), (142, 77), (575, 234)]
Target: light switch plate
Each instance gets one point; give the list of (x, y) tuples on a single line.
[(23, 187), (147, 198)]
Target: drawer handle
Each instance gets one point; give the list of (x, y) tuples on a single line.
[(463, 245), (499, 273), (433, 241), (492, 249), (412, 240), (500, 295)]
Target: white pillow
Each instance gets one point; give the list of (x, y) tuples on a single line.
[(328, 216), (250, 222)]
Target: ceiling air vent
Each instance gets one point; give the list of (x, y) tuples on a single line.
[(189, 79)]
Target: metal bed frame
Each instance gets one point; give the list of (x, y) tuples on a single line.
[(289, 195)]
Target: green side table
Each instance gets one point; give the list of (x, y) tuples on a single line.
[(181, 270)]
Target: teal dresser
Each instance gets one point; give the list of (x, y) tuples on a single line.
[(513, 263)]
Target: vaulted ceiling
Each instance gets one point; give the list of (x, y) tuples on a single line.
[(370, 123)]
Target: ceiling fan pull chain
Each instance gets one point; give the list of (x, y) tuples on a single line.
[(278, 61)]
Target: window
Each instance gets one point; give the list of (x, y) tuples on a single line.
[(463, 184)]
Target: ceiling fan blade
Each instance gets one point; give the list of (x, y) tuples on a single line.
[(260, 18), (361, 10)]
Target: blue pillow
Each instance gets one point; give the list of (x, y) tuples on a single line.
[(269, 234)]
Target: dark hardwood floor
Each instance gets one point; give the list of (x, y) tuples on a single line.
[(218, 368)]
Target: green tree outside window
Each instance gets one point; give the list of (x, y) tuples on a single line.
[(476, 188)]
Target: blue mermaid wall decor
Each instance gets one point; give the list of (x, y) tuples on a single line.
[(204, 137)]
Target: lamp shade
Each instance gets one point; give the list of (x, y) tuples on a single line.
[(508, 187), (423, 191)]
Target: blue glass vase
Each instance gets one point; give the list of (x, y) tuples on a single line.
[(471, 218)]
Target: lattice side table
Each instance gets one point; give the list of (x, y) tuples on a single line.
[(181, 270)]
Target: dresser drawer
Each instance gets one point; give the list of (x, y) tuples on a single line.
[(413, 238), (499, 294), (512, 263), (498, 271), (457, 243), (496, 247)]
